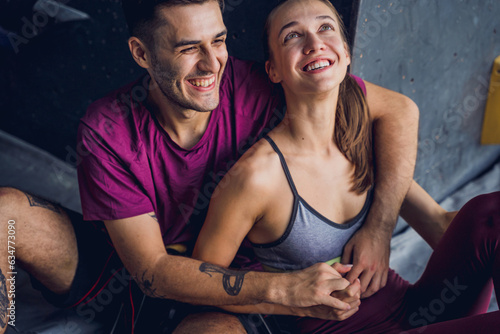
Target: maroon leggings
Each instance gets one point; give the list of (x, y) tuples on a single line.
[(454, 291)]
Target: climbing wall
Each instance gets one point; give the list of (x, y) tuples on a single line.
[(439, 53)]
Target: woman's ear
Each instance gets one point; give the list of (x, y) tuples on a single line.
[(139, 53), (347, 53), (271, 72)]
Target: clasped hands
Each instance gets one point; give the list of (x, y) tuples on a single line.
[(331, 296)]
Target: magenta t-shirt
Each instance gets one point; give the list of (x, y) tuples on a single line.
[(130, 166)]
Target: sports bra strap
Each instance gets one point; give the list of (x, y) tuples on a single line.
[(284, 165)]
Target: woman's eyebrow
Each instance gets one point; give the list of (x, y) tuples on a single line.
[(322, 17), (291, 24), (288, 25)]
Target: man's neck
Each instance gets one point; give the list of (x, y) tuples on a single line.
[(185, 127)]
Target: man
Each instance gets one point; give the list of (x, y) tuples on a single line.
[(156, 149)]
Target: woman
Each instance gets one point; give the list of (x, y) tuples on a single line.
[(300, 193)]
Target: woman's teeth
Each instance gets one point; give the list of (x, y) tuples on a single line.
[(317, 64)]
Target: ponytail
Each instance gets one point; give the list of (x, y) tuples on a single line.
[(353, 133)]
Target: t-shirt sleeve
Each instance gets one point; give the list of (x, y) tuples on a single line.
[(360, 82), (108, 188)]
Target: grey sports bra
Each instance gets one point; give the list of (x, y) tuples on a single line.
[(310, 237)]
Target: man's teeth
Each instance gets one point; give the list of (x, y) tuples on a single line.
[(203, 82), (318, 64)]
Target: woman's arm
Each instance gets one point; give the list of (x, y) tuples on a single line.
[(426, 216), (236, 204)]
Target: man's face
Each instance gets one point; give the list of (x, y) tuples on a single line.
[(190, 55)]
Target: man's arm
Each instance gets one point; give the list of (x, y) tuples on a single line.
[(350, 295), (140, 246), (395, 132)]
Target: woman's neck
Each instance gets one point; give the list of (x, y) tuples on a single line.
[(310, 120)]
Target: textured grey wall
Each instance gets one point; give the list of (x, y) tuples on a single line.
[(440, 54)]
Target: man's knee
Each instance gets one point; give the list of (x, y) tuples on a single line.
[(213, 322), (11, 198), (11, 202), (46, 244), (14, 201)]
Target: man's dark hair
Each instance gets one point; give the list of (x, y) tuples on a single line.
[(143, 19)]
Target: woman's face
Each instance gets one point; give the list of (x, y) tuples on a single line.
[(308, 53)]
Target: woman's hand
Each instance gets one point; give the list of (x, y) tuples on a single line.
[(350, 295)]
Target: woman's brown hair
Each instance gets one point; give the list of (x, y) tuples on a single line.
[(353, 126)]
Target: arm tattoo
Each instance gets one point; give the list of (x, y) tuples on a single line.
[(231, 289), (153, 215), (4, 300), (147, 286), (42, 203)]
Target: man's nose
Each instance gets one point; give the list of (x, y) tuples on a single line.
[(209, 61)]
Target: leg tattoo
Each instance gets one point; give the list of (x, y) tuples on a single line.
[(231, 289), (42, 203), (4, 300)]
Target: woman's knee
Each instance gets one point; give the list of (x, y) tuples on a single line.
[(480, 214), (484, 205)]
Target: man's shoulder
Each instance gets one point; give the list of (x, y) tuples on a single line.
[(116, 115), (119, 104), (235, 65), (360, 82), (245, 72), (247, 89)]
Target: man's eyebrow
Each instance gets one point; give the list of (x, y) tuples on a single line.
[(194, 42)]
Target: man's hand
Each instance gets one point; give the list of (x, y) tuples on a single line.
[(368, 250), (313, 286), (350, 295)]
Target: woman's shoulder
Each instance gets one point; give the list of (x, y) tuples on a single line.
[(257, 169)]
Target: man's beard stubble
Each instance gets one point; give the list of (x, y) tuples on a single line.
[(166, 79)]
